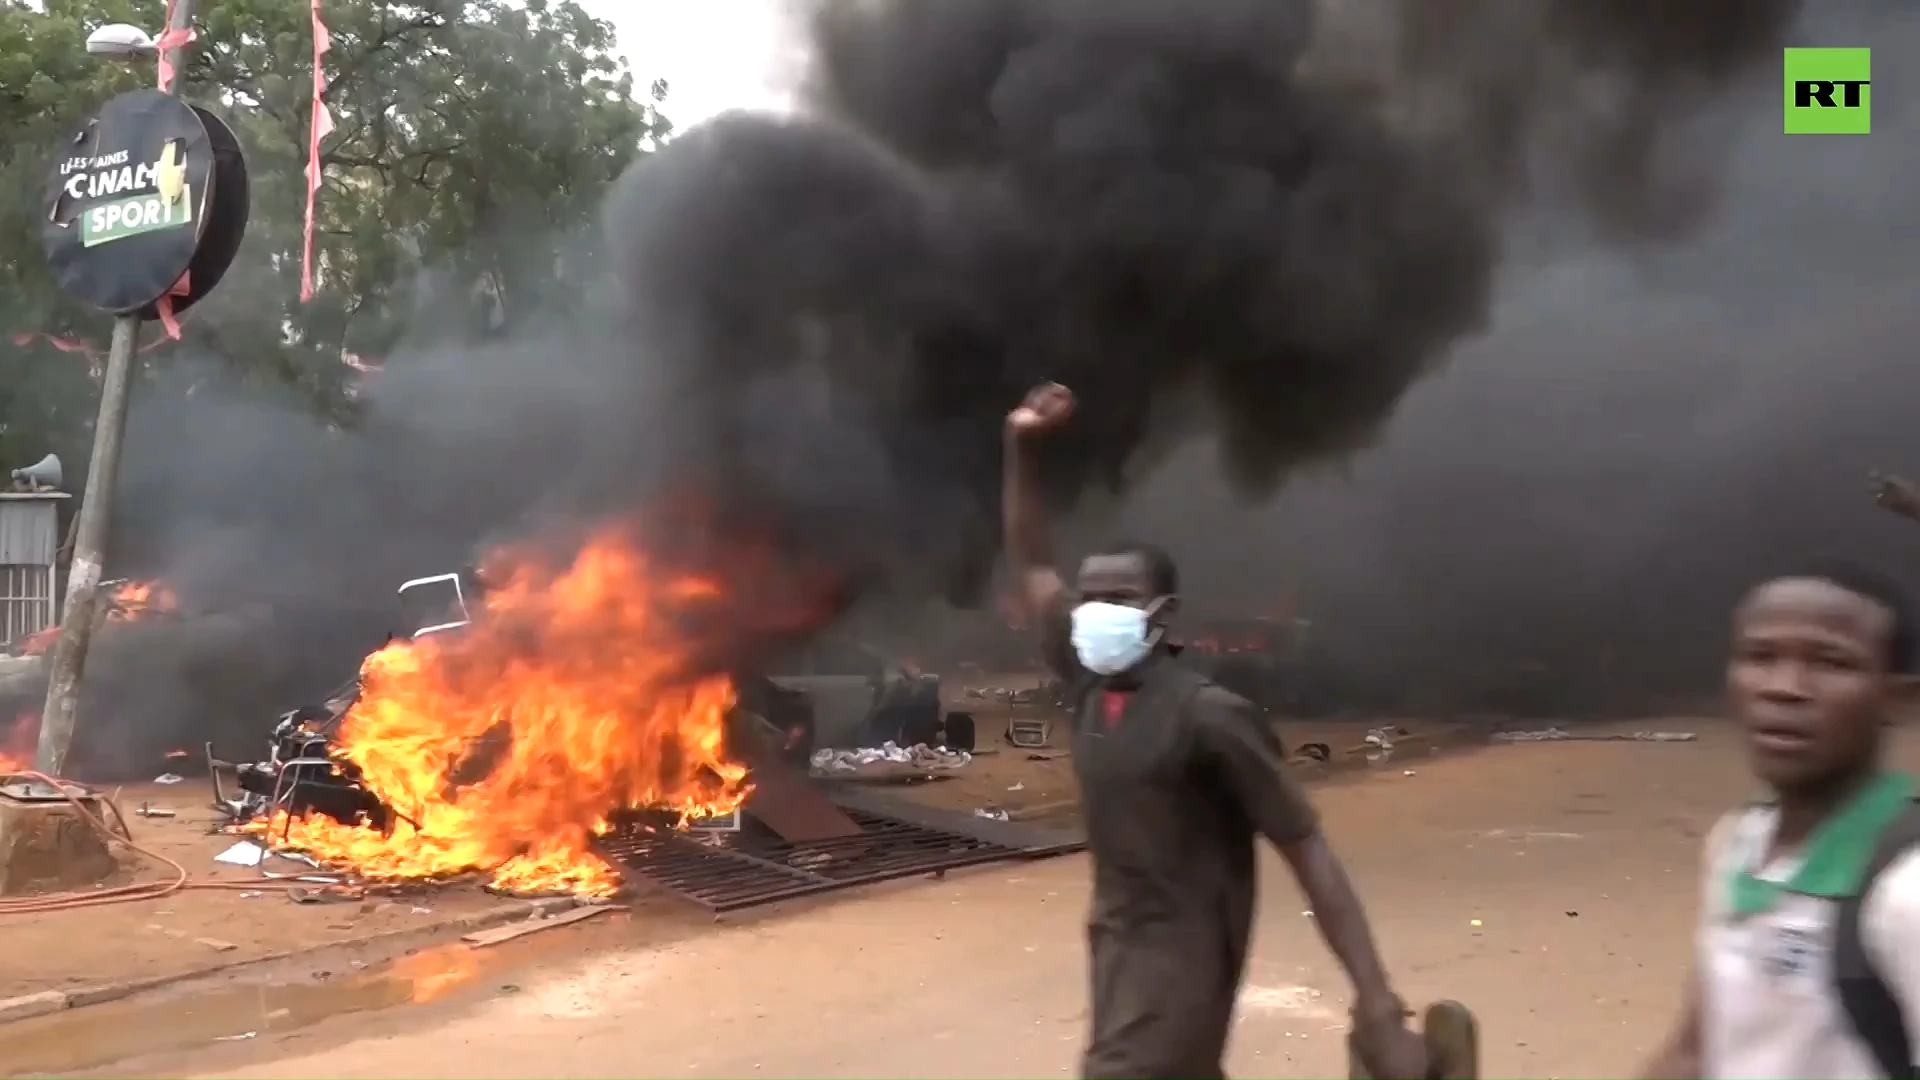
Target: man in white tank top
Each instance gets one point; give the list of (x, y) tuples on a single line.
[(1819, 667)]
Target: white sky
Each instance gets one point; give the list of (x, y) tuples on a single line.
[(715, 54)]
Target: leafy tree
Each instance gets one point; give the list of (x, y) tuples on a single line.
[(472, 137), (48, 84)]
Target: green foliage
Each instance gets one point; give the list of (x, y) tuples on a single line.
[(47, 83), (471, 137)]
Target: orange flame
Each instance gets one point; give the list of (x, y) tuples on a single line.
[(18, 742), (510, 741), (132, 601), (137, 600)]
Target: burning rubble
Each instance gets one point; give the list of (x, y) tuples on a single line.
[(506, 746), (17, 743), (134, 601), (126, 601)]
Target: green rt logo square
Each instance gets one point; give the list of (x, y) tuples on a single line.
[(1829, 92)]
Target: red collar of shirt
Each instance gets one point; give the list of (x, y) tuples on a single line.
[(1113, 705)]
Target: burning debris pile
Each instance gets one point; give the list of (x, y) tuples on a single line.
[(505, 746), (573, 727), (126, 601), (17, 743)]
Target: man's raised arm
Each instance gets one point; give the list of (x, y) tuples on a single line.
[(1896, 494), (1029, 547)]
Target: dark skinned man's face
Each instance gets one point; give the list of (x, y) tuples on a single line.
[(1116, 579), (1122, 579), (1809, 680)]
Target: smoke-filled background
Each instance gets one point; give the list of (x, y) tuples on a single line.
[(1562, 519), (1620, 345)]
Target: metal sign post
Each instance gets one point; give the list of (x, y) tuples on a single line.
[(133, 213)]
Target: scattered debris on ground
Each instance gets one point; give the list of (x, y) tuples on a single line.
[(251, 896), (1555, 734), (1051, 693), (887, 757), (231, 914)]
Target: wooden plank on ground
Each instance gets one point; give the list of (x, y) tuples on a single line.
[(480, 939)]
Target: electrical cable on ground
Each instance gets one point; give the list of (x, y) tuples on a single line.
[(119, 834)]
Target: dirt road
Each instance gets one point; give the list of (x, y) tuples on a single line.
[(1551, 886), (86, 947)]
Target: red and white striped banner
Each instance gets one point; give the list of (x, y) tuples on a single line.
[(320, 125)]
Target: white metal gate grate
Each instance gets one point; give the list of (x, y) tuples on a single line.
[(26, 601)]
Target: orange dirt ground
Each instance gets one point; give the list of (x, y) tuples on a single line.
[(1551, 886), (187, 931)]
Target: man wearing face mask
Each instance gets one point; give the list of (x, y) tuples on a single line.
[(1176, 778)]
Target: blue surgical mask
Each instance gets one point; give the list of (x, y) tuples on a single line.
[(1111, 638)]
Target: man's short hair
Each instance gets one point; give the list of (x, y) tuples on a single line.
[(1162, 576)]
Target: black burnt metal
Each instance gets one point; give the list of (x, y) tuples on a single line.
[(725, 872)]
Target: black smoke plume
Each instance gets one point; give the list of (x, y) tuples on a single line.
[(1260, 222), (1181, 211), (1562, 520)]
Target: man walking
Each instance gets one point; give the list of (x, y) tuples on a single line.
[(1807, 957), (1176, 777)]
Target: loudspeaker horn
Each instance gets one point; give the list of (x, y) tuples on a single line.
[(45, 473)]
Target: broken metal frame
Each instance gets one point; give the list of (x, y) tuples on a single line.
[(463, 614), (806, 839), (293, 763), (742, 870)]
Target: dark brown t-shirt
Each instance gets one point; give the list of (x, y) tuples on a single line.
[(1176, 777)]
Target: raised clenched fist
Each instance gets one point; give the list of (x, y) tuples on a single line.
[(1896, 494), (1046, 407)]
